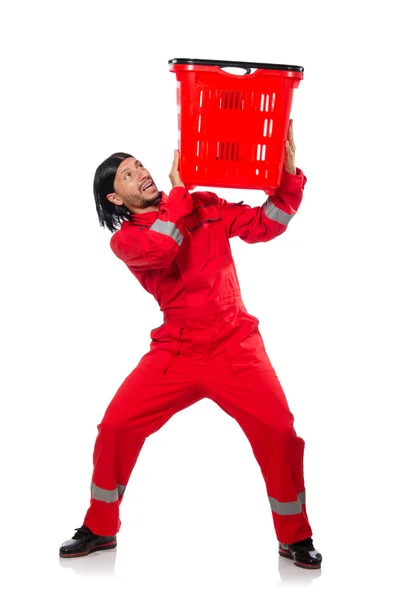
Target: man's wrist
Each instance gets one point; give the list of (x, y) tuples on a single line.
[(290, 171)]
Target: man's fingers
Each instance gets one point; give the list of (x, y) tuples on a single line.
[(175, 161), (174, 173), (174, 166), (291, 135)]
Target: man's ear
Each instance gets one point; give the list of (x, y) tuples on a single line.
[(113, 198)]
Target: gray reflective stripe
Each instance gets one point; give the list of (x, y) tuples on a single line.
[(168, 228), (121, 489), (276, 214), (106, 495), (288, 508)]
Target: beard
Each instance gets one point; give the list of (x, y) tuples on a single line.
[(145, 202), (139, 202)]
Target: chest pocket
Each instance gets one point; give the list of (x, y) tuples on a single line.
[(207, 233)]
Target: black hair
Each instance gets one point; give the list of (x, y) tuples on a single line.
[(110, 215)]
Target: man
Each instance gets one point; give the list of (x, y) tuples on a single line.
[(208, 346)]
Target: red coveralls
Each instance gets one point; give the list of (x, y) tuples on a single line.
[(207, 347)]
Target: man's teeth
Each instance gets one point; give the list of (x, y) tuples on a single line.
[(147, 187)]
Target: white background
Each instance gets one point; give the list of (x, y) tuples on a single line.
[(82, 80)]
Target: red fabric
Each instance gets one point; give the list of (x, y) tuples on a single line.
[(208, 347)]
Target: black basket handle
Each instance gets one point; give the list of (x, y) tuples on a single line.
[(233, 63)]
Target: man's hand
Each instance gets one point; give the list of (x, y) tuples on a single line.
[(174, 174), (289, 159)]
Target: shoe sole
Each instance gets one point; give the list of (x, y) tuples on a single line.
[(285, 554), (108, 546)]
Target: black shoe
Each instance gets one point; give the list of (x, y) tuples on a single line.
[(84, 542), (302, 553)]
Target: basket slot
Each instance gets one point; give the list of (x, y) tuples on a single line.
[(268, 128), (202, 149), (227, 151), (265, 102), (261, 152), (229, 99), (201, 153)]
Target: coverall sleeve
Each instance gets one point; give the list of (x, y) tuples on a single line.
[(155, 248), (263, 223)]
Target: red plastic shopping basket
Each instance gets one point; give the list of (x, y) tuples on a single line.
[(233, 128)]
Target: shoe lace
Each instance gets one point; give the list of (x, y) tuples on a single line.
[(82, 532)]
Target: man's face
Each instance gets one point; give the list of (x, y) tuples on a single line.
[(134, 187)]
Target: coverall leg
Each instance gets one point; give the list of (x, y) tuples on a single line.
[(253, 396), (145, 401)]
